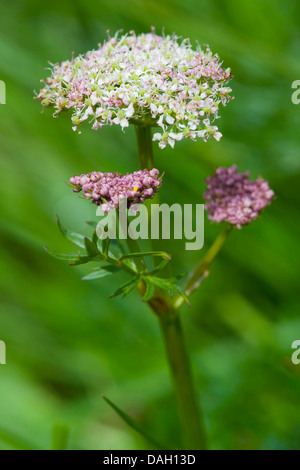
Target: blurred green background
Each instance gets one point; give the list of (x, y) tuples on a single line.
[(66, 342)]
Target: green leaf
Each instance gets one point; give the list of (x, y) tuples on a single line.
[(162, 283), (169, 285), (125, 288), (150, 290), (95, 238), (160, 266), (91, 248), (101, 272), (105, 246), (62, 256), (131, 264), (132, 423), (182, 293), (161, 254), (80, 260), (73, 237), (116, 249)]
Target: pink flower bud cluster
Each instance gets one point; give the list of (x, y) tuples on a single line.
[(147, 79), (233, 198), (110, 189)]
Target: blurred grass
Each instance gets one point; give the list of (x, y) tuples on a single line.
[(66, 342)]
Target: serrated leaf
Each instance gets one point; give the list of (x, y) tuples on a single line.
[(101, 272), (150, 290), (61, 255), (91, 248), (132, 423), (125, 288), (73, 237), (161, 254)]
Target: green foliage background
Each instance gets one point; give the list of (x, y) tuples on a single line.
[(66, 342)]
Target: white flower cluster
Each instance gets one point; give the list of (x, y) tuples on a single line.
[(146, 80)]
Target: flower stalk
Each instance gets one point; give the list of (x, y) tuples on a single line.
[(145, 149), (188, 408), (193, 434)]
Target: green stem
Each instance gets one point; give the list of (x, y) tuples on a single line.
[(190, 419), (145, 150), (146, 158), (189, 415)]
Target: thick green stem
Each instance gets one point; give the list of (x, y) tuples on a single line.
[(190, 417), (145, 150), (146, 158), (189, 414)]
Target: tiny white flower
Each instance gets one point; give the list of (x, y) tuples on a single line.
[(218, 135), (124, 123), (160, 122), (176, 137), (153, 108), (95, 99), (170, 119), (162, 144), (171, 142), (157, 136), (129, 112), (201, 133)]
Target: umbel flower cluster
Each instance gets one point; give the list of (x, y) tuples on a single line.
[(146, 80), (109, 189), (233, 198)]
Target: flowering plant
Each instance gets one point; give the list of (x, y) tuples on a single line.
[(153, 81), (146, 80)]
